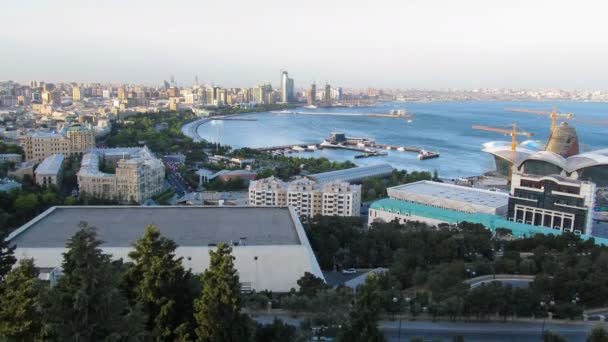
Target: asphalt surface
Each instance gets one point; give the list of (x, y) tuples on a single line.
[(470, 331)]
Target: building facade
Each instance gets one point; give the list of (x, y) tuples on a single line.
[(49, 172), (138, 176), (552, 201), (307, 197), (73, 140)]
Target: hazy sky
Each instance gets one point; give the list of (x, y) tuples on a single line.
[(380, 43)]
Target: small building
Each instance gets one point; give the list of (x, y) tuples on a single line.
[(7, 185), (50, 170), (270, 246), (10, 157), (226, 175), (354, 175)]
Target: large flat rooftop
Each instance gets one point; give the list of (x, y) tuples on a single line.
[(354, 174), (443, 191), (120, 226)]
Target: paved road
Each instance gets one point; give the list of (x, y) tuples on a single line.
[(471, 332), (481, 332)]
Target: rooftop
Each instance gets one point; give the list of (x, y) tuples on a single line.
[(454, 192), (453, 217), (354, 174), (120, 226), (51, 165)]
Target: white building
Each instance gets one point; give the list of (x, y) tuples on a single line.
[(307, 197), (139, 175), (50, 170), (270, 246)]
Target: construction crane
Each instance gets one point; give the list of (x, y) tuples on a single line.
[(513, 133), (552, 114)]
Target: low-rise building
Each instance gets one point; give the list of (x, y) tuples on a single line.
[(50, 171), (10, 157), (7, 185), (355, 174), (307, 197), (138, 174), (270, 247)]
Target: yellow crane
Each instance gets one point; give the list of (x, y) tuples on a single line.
[(513, 133), (552, 114)]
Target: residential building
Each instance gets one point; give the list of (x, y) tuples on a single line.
[(287, 88), (138, 174), (10, 157), (307, 197), (73, 140), (76, 94), (270, 248), (50, 171)]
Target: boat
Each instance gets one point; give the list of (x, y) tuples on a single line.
[(427, 155), (298, 148), (311, 147), (400, 149), (410, 121)]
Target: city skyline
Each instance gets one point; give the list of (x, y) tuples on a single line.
[(390, 44)]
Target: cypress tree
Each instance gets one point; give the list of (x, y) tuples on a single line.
[(87, 304), (20, 317), (217, 310), (157, 281)]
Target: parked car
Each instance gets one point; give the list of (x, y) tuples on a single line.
[(349, 271)]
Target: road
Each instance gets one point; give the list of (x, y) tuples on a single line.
[(471, 332)]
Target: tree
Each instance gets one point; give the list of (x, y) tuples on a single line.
[(310, 284), (217, 310), (157, 281), (20, 319), (598, 334), (363, 323), (275, 332), (7, 258), (87, 304)]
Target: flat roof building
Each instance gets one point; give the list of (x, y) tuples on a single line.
[(271, 249), (49, 171), (454, 197), (355, 174)]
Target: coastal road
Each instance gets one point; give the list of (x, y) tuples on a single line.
[(471, 331)]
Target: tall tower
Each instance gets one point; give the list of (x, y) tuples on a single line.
[(312, 94), (76, 94), (286, 88), (327, 94)]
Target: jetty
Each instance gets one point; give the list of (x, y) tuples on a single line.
[(380, 115)]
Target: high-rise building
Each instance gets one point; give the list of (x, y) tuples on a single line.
[(312, 94), (287, 88), (327, 94), (76, 94), (122, 93), (307, 197)]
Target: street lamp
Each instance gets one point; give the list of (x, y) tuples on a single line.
[(542, 305), (396, 301)]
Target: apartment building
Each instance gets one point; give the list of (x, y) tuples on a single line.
[(49, 172), (73, 140), (307, 197), (138, 174)]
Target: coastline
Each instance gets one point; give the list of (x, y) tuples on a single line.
[(191, 129)]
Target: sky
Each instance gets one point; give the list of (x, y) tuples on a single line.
[(350, 43)]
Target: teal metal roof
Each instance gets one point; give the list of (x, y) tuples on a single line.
[(452, 217)]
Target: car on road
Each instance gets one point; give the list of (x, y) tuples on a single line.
[(349, 271)]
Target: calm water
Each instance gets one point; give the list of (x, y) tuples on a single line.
[(444, 127)]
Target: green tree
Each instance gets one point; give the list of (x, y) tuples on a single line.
[(363, 322), (275, 332), (87, 304), (158, 283), (20, 319), (310, 284), (217, 310), (598, 334), (7, 258)]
